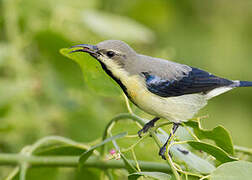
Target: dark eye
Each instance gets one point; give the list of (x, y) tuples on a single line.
[(110, 54)]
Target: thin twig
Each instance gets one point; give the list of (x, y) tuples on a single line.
[(73, 161), (135, 159), (191, 133), (244, 150), (119, 117), (133, 145), (127, 104)]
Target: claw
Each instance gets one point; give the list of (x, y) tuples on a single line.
[(139, 133), (145, 129), (163, 148), (162, 152)]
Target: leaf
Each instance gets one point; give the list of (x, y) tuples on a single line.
[(93, 73), (59, 146), (84, 157), (189, 159), (41, 173), (183, 134), (114, 26), (219, 135), (34, 173), (86, 173), (89, 152), (60, 150), (155, 175), (215, 151), (233, 171)]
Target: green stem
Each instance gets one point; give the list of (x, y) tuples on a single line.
[(119, 117), (244, 150), (168, 160), (73, 161), (142, 122), (133, 145), (127, 103)]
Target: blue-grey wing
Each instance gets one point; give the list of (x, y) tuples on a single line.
[(196, 81)]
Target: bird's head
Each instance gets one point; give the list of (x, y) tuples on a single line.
[(111, 53)]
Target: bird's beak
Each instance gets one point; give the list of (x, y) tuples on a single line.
[(90, 49)]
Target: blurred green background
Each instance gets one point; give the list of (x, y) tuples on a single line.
[(43, 93)]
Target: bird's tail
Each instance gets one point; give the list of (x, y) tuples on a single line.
[(221, 90), (242, 84)]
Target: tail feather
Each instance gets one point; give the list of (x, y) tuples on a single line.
[(221, 90), (242, 83)]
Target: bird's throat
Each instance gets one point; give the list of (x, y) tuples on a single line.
[(116, 79)]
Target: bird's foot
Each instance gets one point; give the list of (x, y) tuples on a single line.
[(162, 151), (146, 127)]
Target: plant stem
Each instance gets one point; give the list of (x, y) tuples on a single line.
[(127, 103), (119, 117), (168, 160), (142, 122), (72, 161), (244, 150)]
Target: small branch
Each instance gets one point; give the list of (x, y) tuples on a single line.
[(133, 145), (190, 132), (13, 173), (73, 161), (142, 122), (168, 160), (244, 150), (135, 159), (119, 117), (127, 103)]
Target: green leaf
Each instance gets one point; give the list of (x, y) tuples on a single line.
[(61, 150), (233, 171), (183, 156), (93, 73), (89, 152), (86, 173), (155, 175), (35, 173), (191, 160), (114, 26), (41, 173), (215, 151), (59, 146), (84, 157), (219, 135)]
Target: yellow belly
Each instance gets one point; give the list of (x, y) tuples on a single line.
[(175, 109)]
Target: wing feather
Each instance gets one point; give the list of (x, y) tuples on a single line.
[(196, 81)]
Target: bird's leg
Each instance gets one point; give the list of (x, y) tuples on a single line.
[(147, 126), (163, 148)]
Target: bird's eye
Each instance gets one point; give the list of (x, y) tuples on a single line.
[(110, 54)]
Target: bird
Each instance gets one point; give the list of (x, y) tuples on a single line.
[(162, 88)]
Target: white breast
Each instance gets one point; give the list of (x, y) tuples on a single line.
[(175, 109)]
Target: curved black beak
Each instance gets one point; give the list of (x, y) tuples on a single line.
[(91, 49)]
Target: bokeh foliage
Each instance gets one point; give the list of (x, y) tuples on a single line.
[(43, 93)]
